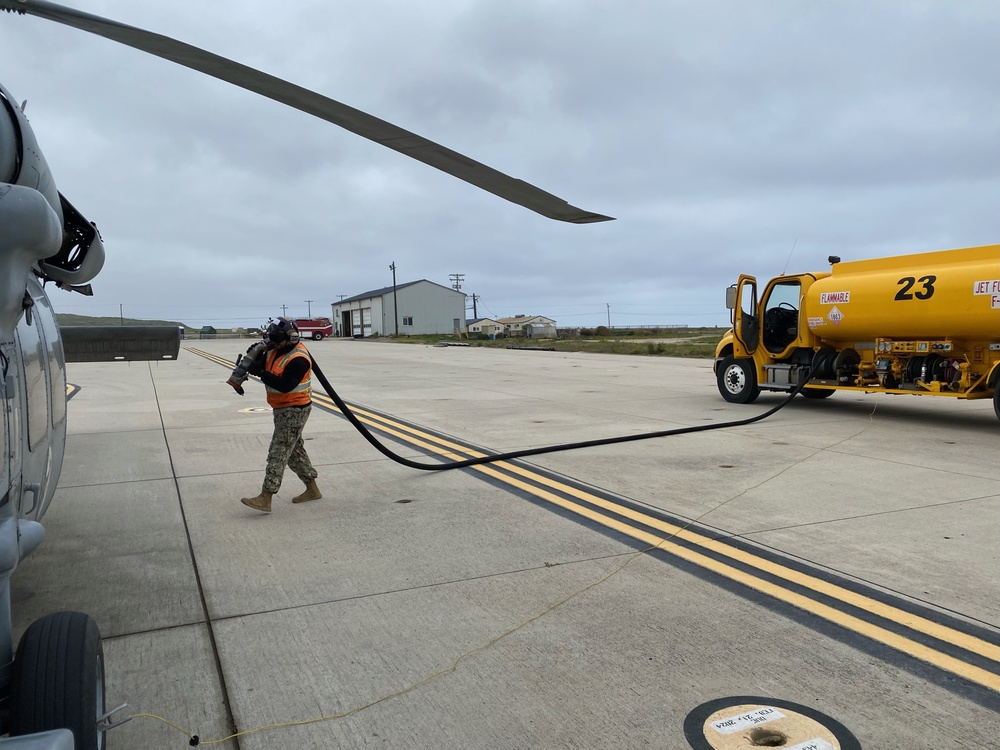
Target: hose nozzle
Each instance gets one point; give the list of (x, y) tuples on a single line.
[(240, 373)]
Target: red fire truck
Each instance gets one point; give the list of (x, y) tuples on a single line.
[(314, 328)]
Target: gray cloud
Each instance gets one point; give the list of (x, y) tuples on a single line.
[(720, 134)]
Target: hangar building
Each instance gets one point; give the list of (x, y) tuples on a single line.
[(423, 308)]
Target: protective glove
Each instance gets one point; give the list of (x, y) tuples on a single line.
[(257, 349), (256, 367)]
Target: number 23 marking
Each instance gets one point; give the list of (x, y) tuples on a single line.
[(907, 282)]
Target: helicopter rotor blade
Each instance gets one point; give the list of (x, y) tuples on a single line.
[(347, 117)]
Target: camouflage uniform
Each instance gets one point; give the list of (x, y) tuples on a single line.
[(287, 448)]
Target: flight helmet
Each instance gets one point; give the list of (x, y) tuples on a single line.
[(283, 331)]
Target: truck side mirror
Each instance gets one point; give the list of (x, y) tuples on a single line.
[(731, 298)]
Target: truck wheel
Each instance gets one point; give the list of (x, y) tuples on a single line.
[(317, 336), (58, 679), (816, 393), (996, 398), (737, 380)]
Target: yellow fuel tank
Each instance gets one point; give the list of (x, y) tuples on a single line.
[(952, 294)]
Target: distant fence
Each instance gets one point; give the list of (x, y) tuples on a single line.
[(199, 335), (651, 327)]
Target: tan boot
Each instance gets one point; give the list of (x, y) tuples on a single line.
[(262, 502), (312, 493)]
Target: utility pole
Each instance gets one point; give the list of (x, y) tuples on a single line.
[(457, 281), (283, 308), (609, 314), (475, 314), (309, 314), (395, 305), (121, 315)]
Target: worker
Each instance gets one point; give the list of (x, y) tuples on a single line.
[(285, 369)]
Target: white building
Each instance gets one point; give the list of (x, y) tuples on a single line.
[(486, 326), (423, 308), (535, 326)]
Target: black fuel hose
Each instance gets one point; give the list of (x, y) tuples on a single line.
[(346, 411)]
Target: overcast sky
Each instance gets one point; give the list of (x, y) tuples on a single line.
[(726, 137)]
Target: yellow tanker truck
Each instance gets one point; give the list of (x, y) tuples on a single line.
[(925, 324)]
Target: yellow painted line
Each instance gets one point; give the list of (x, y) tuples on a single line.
[(914, 622), (886, 611), (972, 644), (876, 633)]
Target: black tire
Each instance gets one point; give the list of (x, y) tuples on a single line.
[(58, 679), (317, 336), (737, 380), (996, 398), (817, 392)]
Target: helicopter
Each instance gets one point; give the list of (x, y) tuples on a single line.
[(52, 692)]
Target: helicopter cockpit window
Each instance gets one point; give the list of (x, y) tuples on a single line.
[(781, 316), (10, 158)]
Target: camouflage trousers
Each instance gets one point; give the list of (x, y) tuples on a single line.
[(287, 448)]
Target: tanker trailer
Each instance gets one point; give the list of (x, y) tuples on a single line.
[(925, 324)]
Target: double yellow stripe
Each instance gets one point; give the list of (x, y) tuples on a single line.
[(560, 494), (970, 643)]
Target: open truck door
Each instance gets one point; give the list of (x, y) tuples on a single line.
[(742, 301), (736, 371)]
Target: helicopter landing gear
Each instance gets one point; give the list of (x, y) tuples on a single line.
[(58, 679)]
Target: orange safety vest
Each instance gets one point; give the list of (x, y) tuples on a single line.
[(302, 393)]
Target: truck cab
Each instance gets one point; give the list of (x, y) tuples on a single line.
[(770, 346)]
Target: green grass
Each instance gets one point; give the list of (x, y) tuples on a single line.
[(69, 319), (672, 342), (663, 342)]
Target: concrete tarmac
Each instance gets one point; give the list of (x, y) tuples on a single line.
[(838, 559)]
